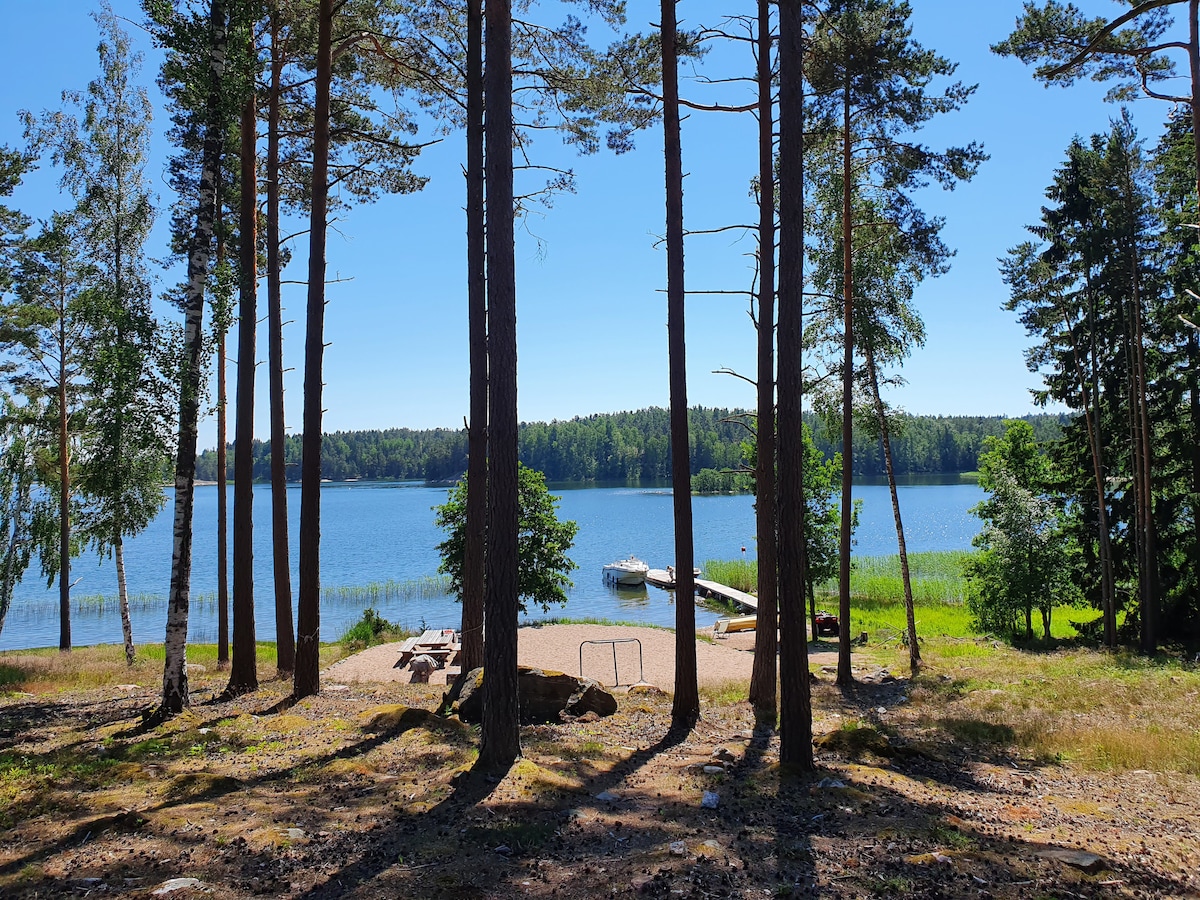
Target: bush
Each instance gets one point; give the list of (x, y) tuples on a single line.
[(370, 630)]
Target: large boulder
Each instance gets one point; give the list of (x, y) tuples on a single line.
[(545, 696)]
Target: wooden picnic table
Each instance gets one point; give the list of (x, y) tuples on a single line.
[(437, 643)]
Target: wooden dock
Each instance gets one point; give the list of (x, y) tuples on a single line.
[(724, 592)]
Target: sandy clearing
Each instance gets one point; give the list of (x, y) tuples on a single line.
[(558, 647)]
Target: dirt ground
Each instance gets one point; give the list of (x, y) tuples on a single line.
[(361, 792)]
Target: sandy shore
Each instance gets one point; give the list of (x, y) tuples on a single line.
[(564, 648)]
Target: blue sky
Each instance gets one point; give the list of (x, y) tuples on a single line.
[(591, 312)]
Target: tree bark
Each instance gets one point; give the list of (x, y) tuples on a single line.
[(795, 702), (307, 679), (64, 487), (1193, 381), (845, 676), (500, 738), (914, 652), (1193, 48), (1091, 418), (123, 600), (243, 676), (1145, 494), (766, 641), (175, 684), (685, 709), (222, 461), (285, 635), (475, 537)]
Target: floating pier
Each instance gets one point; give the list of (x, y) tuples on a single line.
[(717, 591)]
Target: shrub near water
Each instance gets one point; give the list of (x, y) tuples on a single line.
[(370, 630)]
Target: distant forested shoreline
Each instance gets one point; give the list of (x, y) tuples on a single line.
[(626, 446)]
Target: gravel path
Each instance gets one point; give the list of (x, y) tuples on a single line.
[(557, 647)]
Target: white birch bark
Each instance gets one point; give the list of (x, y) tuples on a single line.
[(175, 684)]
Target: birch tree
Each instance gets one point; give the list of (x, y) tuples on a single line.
[(196, 65)]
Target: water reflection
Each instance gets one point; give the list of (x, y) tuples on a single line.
[(629, 596)]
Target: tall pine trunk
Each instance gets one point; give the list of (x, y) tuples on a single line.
[(766, 642), (243, 676), (222, 461), (500, 737), (285, 635), (914, 652), (1193, 51), (175, 684), (1091, 417), (845, 676), (686, 706), (474, 544), (1193, 382), (307, 679), (795, 701), (64, 488)]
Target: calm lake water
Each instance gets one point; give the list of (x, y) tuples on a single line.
[(376, 532)]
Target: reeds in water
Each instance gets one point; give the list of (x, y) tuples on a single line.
[(363, 595), (936, 576), (425, 588)]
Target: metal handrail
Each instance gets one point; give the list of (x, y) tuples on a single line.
[(613, 642)]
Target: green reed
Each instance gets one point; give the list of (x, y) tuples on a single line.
[(741, 574), (936, 576), (424, 588)]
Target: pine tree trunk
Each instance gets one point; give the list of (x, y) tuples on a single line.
[(1149, 579), (685, 709), (175, 684), (1193, 48), (222, 489), (1194, 420), (285, 635), (766, 641), (123, 600), (243, 676), (475, 537), (1091, 416), (500, 737), (64, 496), (307, 679), (845, 676), (795, 701), (914, 652)]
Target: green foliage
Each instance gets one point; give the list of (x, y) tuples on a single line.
[(17, 479), (626, 446), (369, 630), (1024, 563), (542, 544), (1126, 50), (714, 481)]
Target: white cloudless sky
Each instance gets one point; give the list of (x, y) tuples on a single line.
[(591, 312)]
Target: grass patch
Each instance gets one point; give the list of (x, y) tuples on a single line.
[(726, 694), (48, 670), (1101, 710)]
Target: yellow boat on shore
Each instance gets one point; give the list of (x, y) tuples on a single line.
[(729, 624)]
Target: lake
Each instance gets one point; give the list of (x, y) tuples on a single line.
[(380, 532)]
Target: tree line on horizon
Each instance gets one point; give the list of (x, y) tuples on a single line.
[(630, 447)]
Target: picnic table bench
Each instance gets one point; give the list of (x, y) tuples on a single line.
[(441, 645)]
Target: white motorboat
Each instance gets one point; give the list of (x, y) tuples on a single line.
[(626, 571)]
